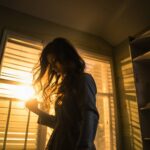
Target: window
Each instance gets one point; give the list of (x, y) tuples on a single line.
[(18, 127), (101, 70)]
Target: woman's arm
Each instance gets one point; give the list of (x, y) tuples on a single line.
[(89, 115), (44, 118)]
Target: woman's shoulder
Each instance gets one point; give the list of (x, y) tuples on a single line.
[(87, 75), (88, 79)]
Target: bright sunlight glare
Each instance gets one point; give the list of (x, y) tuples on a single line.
[(23, 92)]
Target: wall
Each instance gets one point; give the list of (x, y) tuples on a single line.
[(46, 31), (130, 136)]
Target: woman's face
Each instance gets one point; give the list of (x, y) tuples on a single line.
[(56, 66)]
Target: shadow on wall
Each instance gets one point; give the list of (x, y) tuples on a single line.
[(130, 109)]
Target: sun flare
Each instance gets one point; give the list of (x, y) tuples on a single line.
[(23, 92)]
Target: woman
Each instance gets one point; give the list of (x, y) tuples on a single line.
[(61, 73)]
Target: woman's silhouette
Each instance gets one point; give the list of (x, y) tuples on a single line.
[(61, 73)]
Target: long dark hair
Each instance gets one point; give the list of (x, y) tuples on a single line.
[(46, 78)]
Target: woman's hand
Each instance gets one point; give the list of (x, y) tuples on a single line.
[(32, 105)]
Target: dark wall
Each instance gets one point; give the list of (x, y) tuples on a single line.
[(46, 31)]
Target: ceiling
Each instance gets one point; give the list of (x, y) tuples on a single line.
[(112, 20)]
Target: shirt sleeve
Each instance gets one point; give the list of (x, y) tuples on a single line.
[(89, 114), (46, 119)]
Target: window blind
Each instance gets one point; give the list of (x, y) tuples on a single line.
[(19, 57), (100, 68), (18, 127)]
